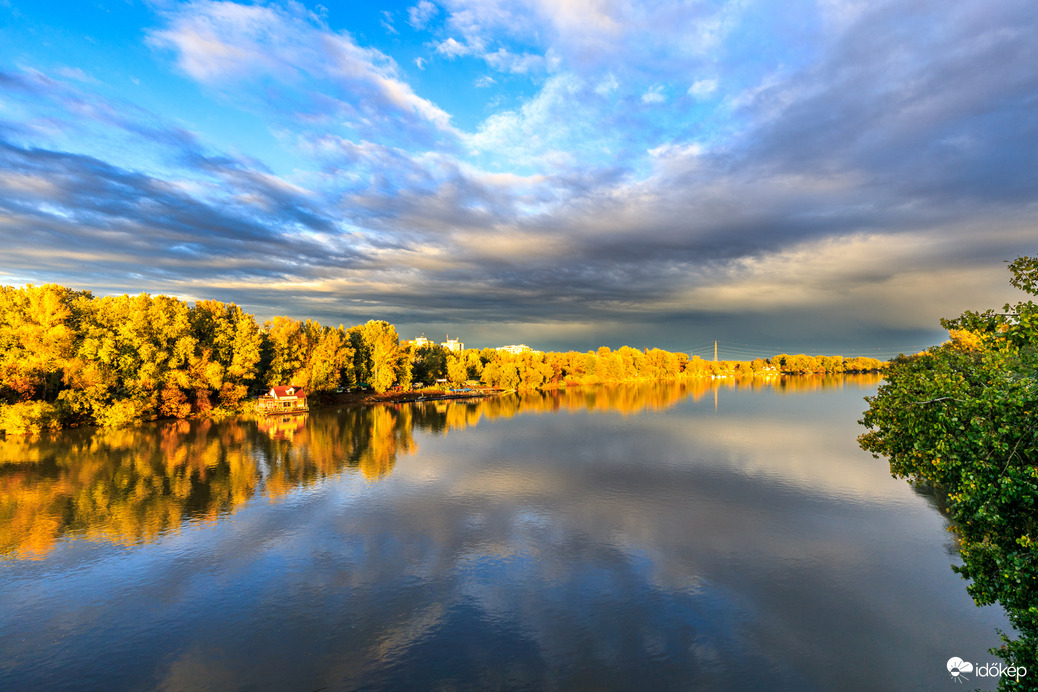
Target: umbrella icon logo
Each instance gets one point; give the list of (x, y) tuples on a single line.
[(956, 667)]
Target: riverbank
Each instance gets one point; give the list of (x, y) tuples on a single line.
[(32, 418), (325, 399)]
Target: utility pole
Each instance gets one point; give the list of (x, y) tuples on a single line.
[(715, 351)]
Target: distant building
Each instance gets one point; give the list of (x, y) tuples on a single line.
[(421, 341), (453, 345), (515, 349)]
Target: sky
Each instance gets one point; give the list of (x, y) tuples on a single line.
[(830, 176)]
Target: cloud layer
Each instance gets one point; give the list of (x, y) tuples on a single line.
[(796, 176)]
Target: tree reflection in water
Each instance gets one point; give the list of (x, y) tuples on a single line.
[(133, 485)]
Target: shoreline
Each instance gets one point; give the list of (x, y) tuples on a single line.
[(370, 398), (417, 395), (367, 398)]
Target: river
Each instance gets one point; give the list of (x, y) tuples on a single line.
[(716, 535)]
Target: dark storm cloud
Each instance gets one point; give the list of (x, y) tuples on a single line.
[(932, 100), (64, 201), (922, 118)]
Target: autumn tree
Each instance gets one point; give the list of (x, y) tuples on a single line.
[(798, 364), (457, 372), (288, 350), (473, 364), (233, 337), (385, 354), (38, 326), (331, 355)]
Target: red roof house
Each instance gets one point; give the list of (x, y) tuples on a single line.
[(287, 398)]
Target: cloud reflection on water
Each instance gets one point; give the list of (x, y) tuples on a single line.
[(137, 484), (591, 549)]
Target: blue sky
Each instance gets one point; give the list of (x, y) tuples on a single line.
[(785, 176)]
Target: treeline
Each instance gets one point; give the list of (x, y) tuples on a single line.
[(800, 364), (69, 358), (535, 369)]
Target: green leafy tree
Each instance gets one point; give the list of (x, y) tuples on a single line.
[(430, 363), (361, 356), (404, 368), (963, 417)]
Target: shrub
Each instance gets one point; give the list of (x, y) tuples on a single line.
[(29, 417)]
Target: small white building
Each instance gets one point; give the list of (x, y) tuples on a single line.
[(453, 345), (421, 341), (514, 349)]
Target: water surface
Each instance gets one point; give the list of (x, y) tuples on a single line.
[(726, 536)]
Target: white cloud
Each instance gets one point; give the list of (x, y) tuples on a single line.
[(217, 40), (654, 94), (506, 61), (222, 44), (607, 86), (538, 128), (76, 74), (452, 49), (485, 81), (420, 14), (589, 35), (670, 151), (703, 88)]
